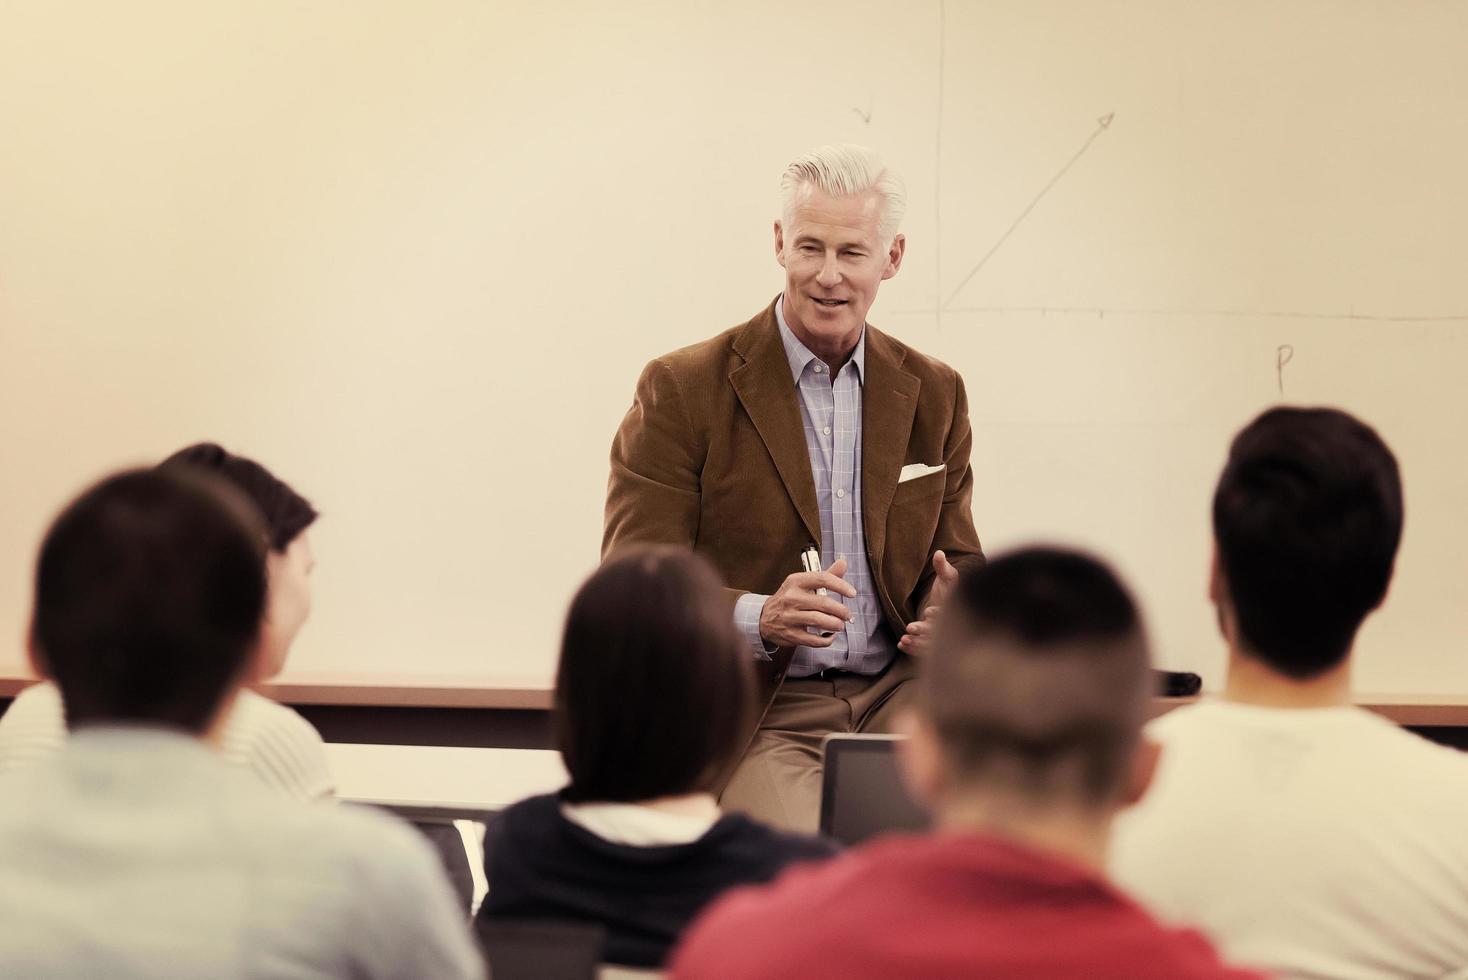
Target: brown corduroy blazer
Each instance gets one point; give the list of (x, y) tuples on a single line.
[(712, 456)]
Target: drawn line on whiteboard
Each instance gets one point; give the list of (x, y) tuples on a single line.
[(1283, 354), (1105, 311), (938, 172), (1102, 124)]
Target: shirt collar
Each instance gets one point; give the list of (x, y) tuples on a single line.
[(800, 356)]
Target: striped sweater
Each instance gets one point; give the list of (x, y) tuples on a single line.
[(270, 740)]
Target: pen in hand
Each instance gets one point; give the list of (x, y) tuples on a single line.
[(810, 560)]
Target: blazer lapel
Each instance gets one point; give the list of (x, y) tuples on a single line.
[(768, 395), (889, 402)]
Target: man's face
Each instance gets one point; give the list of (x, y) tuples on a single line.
[(834, 260), (288, 602)]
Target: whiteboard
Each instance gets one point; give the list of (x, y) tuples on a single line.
[(412, 257)]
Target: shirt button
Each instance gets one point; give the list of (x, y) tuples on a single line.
[(841, 494), (820, 369), (827, 430)]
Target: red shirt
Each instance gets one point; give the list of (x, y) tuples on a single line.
[(941, 906)]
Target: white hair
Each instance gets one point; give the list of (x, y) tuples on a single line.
[(843, 170)]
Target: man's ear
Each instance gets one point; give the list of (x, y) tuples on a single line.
[(919, 759), (779, 243), (1145, 758), (894, 256)]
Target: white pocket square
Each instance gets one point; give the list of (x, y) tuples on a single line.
[(914, 470)]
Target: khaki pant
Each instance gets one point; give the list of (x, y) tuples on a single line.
[(779, 779)]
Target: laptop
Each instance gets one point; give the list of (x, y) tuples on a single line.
[(861, 793)]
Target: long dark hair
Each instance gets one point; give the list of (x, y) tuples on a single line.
[(655, 688)]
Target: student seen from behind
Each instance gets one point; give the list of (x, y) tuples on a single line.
[(138, 851), (653, 695), (1310, 837), (270, 740), (1027, 742)]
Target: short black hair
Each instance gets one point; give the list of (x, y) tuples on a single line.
[(1307, 518), (1040, 678), (286, 512), (655, 688), (149, 591)]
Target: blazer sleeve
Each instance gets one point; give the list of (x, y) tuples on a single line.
[(955, 536), (657, 458)]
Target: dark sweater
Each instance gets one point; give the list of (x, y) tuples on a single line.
[(542, 866)]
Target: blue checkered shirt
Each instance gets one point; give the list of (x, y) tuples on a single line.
[(830, 409)]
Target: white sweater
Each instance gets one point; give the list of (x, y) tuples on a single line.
[(1319, 843), (273, 742)]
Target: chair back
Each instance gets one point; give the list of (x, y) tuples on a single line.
[(523, 949)]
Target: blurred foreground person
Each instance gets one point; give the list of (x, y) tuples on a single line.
[(138, 851), (1310, 837), (271, 740), (1027, 742), (653, 697)]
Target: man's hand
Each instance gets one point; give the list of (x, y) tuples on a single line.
[(918, 639), (796, 606)]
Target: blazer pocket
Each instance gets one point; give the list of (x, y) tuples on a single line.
[(926, 487), (917, 471)]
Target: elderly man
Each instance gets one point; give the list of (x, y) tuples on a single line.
[(808, 430)]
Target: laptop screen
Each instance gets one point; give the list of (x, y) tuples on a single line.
[(862, 795)]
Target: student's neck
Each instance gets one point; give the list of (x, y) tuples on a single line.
[(1250, 681), (1079, 835), (688, 804), (213, 735)]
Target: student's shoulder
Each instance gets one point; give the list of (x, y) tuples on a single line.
[(1417, 765), (1185, 954), (33, 727), (827, 877), (1189, 720), (26, 791), (353, 842), (255, 713), (281, 747), (526, 827), (1131, 944), (533, 813), (783, 844), (38, 707), (370, 870), (790, 942)]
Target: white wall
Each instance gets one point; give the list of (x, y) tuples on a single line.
[(412, 257)]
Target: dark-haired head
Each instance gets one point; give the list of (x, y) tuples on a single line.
[(286, 515), (1306, 519), (286, 512), (1038, 685), (655, 687), (149, 593)]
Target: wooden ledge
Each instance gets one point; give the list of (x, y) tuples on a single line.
[(534, 693), (384, 690)]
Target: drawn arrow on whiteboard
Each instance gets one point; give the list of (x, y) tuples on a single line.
[(1102, 124)]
